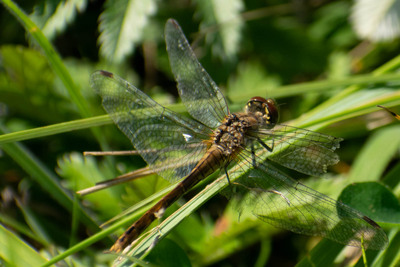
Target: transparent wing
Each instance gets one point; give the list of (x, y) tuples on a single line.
[(171, 144), (275, 198), (298, 149), (198, 91)]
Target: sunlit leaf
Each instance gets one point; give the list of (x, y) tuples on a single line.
[(64, 14), (121, 27), (15, 252), (376, 20), (376, 155)]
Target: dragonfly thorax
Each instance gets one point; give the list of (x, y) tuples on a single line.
[(230, 135)]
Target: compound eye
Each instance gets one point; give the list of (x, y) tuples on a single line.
[(256, 104), (258, 99), (267, 108), (271, 111)]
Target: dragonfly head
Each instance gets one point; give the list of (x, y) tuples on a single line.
[(264, 109)]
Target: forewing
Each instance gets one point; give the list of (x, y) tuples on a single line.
[(275, 198), (198, 91), (171, 144), (298, 149)]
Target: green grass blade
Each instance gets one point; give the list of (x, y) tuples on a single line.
[(376, 155), (55, 129), (21, 228), (15, 252), (357, 104), (318, 86), (389, 66)]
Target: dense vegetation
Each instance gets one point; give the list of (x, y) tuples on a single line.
[(328, 64)]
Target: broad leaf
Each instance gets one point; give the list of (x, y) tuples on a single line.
[(121, 27)]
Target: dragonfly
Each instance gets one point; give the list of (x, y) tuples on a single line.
[(245, 146), (397, 116)]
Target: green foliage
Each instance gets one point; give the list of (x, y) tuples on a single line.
[(54, 19), (167, 254), (15, 251), (80, 173), (117, 37), (382, 204), (249, 48)]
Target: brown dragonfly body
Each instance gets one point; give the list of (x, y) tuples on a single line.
[(226, 142), (177, 147)]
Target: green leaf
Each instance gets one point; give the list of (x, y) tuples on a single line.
[(374, 200), (323, 254), (27, 86), (16, 252), (376, 155), (391, 179), (168, 253), (389, 257), (121, 27), (81, 173), (63, 15)]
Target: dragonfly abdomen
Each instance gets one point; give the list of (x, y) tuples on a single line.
[(211, 161)]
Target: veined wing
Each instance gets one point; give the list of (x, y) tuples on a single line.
[(298, 149), (275, 198), (198, 91), (171, 144)]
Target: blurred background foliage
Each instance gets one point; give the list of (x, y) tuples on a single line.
[(249, 48)]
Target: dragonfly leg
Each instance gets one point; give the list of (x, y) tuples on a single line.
[(159, 213), (280, 194), (253, 155), (295, 187), (270, 149), (226, 173), (154, 243), (259, 190), (157, 228), (162, 114)]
